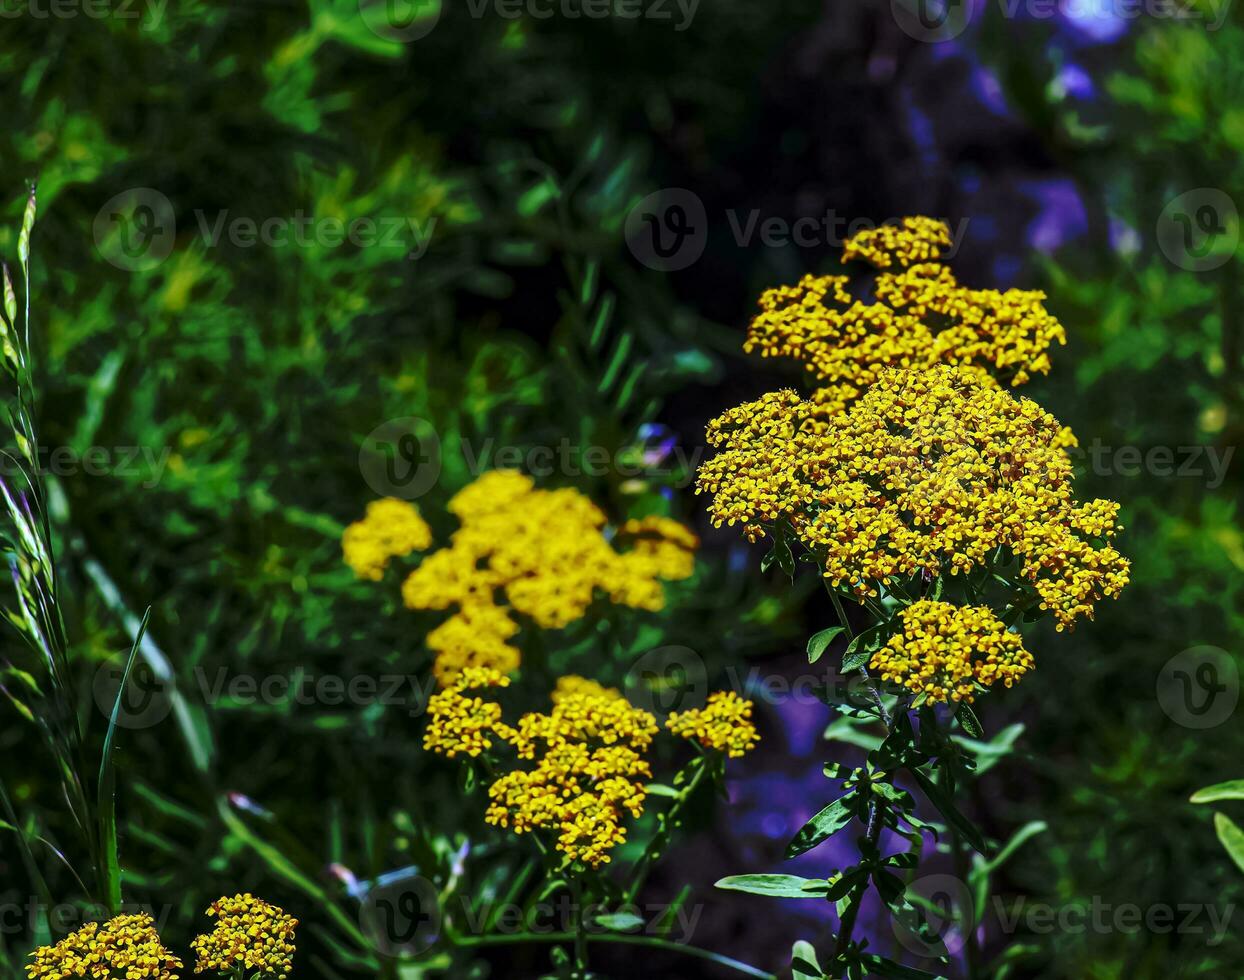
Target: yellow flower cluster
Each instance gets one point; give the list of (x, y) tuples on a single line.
[(463, 725), (249, 934), (930, 471), (588, 753), (949, 653), (545, 552), (724, 724), (125, 946), (589, 771), (392, 528), (914, 240), (921, 316)]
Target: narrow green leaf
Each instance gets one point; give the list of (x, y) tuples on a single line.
[(1231, 790), (776, 886), (821, 827), (971, 833), (803, 962), (818, 643), (882, 967), (619, 921), (1231, 836), (860, 649), (110, 869), (967, 718)]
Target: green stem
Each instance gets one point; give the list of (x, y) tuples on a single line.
[(622, 940), (580, 928), (666, 820)]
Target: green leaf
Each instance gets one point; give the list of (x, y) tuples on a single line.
[(821, 827), (818, 643), (1231, 836), (971, 833), (803, 962), (1231, 790), (967, 718), (110, 869), (620, 921), (860, 649), (776, 886), (842, 887), (882, 967)]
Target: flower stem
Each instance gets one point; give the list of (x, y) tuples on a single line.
[(667, 945)]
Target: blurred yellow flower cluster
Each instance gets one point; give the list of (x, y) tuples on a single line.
[(546, 553), (920, 316), (126, 946), (949, 653), (249, 935), (391, 528), (588, 752), (930, 471), (724, 724)]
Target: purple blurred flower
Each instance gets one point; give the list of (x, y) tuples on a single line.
[(1073, 82), (1061, 217)]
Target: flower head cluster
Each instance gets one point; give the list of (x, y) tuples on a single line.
[(588, 774), (950, 653), (919, 316), (724, 724), (931, 471), (249, 935), (392, 528), (459, 724), (588, 767), (125, 946), (542, 553)]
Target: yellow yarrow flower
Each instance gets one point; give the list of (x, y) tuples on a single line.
[(541, 553), (949, 653), (392, 528), (125, 946), (919, 316), (249, 934), (723, 724), (462, 725), (588, 754), (931, 471)]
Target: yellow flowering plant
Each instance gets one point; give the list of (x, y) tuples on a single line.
[(574, 778), (939, 503), (520, 551), (251, 940)]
